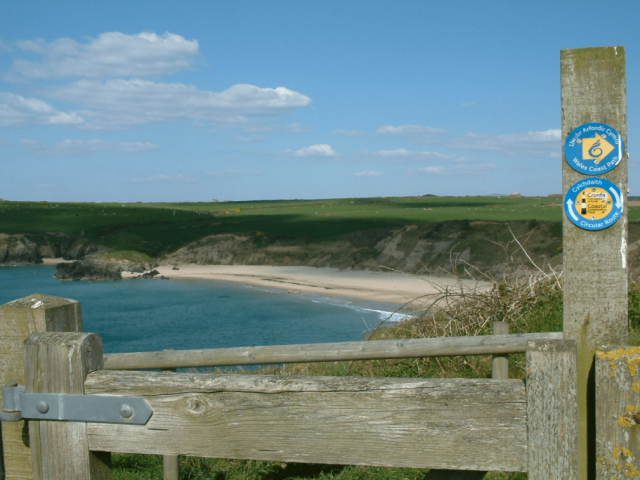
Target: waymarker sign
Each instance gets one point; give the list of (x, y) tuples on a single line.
[(593, 148), (594, 204)]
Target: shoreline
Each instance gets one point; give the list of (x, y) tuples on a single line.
[(414, 292), (411, 291)]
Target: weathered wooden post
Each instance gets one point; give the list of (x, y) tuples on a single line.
[(59, 363), (617, 413), (593, 86), (18, 319)]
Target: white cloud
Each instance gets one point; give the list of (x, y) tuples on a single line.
[(401, 154), (468, 104), (85, 147), (163, 178), (111, 54), (479, 169), (369, 173), (4, 47), (350, 133), (229, 172), (17, 111), (318, 150), (541, 143), (126, 103), (415, 133)]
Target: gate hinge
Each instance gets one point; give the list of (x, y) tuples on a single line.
[(18, 405)]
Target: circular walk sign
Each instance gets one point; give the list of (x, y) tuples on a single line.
[(593, 203), (593, 148)]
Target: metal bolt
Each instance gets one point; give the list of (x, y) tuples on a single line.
[(126, 411), (42, 406)]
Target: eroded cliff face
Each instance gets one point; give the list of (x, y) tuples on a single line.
[(18, 250), (463, 247), (435, 249)]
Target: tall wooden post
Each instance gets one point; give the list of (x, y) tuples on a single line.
[(593, 84), (60, 363), (18, 319)]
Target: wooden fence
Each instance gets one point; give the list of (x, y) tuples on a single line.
[(477, 425)]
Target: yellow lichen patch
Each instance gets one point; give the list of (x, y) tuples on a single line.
[(631, 357), (632, 473), (627, 452), (635, 387), (624, 422)]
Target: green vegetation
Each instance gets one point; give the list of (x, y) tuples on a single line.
[(157, 228)]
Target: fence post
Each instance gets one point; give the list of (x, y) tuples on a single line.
[(552, 410), (593, 89), (18, 319), (617, 412), (60, 363), (170, 464)]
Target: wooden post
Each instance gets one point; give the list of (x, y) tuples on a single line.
[(60, 363), (594, 90), (552, 410), (499, 371), (170, 464), (617, 412), (18, 319)]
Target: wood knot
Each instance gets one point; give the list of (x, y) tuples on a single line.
[(636, 418), (196, 405)]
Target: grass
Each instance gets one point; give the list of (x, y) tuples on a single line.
[(157, 228)]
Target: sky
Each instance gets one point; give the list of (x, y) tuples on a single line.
[(158, 101)]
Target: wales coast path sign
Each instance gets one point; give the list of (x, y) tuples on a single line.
[(593, 148)]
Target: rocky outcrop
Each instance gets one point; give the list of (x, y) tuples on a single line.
[(18, 250), (87, 270), (101, 268)]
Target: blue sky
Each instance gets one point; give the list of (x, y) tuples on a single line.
[(195, 100)]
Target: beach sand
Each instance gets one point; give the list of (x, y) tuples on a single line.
[(411, 290)]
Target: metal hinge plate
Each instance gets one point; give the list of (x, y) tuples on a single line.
[(73, 408)]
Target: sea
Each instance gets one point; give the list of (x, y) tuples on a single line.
[(153, 314)]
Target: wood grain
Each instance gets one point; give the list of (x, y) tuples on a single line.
[(617, 404), (594, 89), (552, 410), (465, 424), (18, 319), (326, 352), (59, 363)]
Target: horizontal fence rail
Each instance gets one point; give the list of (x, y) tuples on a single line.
[(467, 424), (327, 352)]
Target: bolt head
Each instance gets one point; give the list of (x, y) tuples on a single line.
[(42, 406), (126, 411)]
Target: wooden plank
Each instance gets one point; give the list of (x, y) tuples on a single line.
[(593, 89), (326, 352), (474, 424), (18, 319), (617, 409), (552, 410), (59, 363)]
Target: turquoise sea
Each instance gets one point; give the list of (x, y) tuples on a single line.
[(148, 315)]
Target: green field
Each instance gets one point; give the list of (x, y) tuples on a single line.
[(157, 228)]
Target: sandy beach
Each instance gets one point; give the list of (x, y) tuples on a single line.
[(413, 291)]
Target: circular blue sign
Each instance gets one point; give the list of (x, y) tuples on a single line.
[(593, 204), (593, 148)]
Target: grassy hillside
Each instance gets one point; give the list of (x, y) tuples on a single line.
[(158, 228)]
